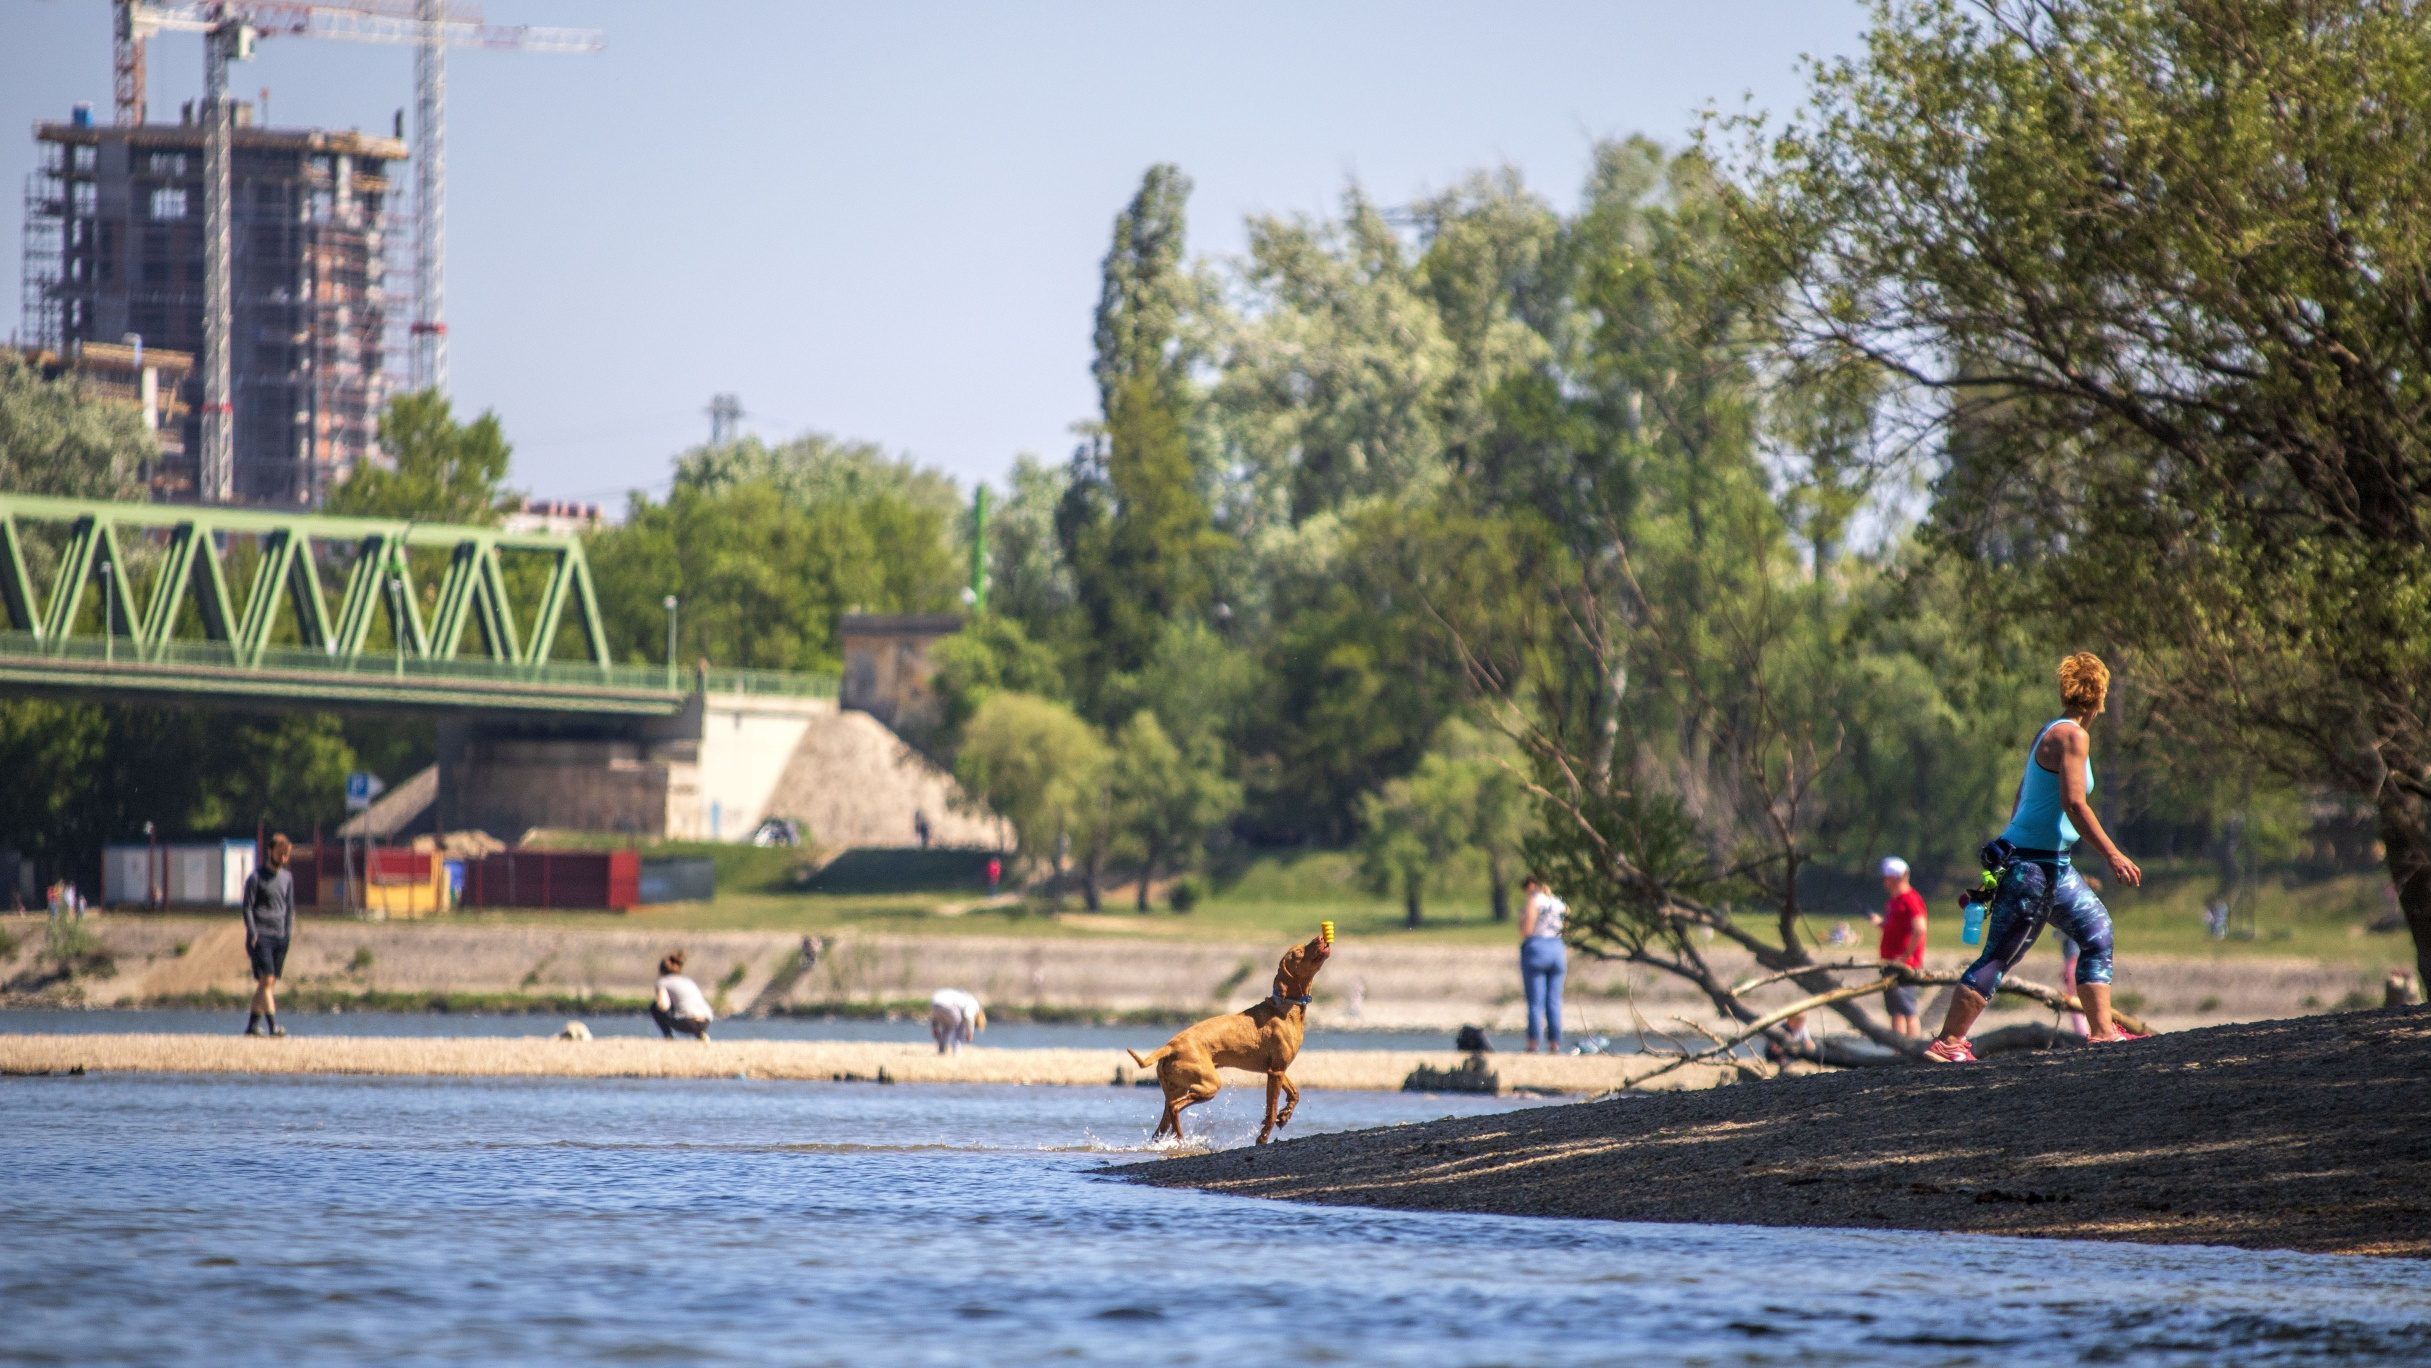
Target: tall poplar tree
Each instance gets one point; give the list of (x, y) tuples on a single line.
[(1134, 525)]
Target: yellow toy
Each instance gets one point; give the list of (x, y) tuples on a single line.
[(1325, 929)]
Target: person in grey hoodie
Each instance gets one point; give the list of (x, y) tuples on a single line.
[(269, 927)]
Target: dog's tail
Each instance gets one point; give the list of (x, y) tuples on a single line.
[(1149, 1061)]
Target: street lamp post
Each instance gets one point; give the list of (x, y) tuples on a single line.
[(109, 613), (396, 618), (668, 603)]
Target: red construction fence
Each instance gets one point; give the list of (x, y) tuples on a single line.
[(608, 879)]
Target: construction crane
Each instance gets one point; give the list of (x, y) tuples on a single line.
[(229, 29)]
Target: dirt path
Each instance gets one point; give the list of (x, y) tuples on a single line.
[(2311, 1134)]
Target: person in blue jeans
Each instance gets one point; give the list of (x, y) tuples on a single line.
[(2039, 885), (1543, 963)]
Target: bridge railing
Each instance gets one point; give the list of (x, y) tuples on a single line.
[(186, 655), (776, 683)]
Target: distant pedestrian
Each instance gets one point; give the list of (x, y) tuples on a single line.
[(1902, 920), (678, 1004), (1543, 962), (269, 913), (995, 874), (954, 1017), (921, 829), (2215, 918)]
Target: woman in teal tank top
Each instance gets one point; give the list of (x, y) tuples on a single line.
[(2041, 819), (2040, 886)]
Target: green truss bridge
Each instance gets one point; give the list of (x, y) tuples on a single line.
[(116, 600)]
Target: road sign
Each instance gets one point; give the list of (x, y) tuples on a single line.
[(361, 788)]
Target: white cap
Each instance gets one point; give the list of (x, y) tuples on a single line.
[(1894, 867)]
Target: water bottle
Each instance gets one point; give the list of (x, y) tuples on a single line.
[(1978, 903)]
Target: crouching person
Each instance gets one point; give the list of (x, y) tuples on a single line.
[(954, 1017), (678, 1004)]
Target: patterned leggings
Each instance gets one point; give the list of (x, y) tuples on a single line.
[(2034, 894)]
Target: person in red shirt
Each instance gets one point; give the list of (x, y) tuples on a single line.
[(1902, 920)]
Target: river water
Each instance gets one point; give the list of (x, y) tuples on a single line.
[(217, 1220)]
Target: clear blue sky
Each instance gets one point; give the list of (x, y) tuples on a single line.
[(885, 220)]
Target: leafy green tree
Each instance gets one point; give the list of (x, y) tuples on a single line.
[(1166, 800), (989, 656), (1500, 806), (2158, 271), (1040, 767), (1142, 554), (1028, 580), (815, 469), (1144, 293), (1134, 524), (57, 438), (95, 773), (1355, 679), (1198, 685), (1415, 828), (437, 469), (761, 577), (1335, 383)]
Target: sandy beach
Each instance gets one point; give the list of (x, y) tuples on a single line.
[(2303, 1134), (540, 1056)]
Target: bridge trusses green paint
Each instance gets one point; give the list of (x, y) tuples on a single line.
[(287, 574)]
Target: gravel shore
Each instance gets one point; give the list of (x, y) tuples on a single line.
[(2308, 1134)]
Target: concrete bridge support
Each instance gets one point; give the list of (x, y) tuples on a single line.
[(712, 772)]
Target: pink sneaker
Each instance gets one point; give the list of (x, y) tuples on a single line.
[(2117, 1035), (1950, 1052)]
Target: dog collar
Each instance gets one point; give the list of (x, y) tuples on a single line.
[(1281, 1001)]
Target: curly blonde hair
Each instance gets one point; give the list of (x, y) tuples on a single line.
[(2084, 681)]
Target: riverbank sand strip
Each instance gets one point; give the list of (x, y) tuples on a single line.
[(171, 959), (1367, 1070), (2310, 1134)]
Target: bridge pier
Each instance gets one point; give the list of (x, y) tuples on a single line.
[(705, 774)]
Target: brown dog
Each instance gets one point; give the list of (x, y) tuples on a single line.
[(1262, 1039)]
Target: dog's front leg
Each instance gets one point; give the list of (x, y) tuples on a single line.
[(1274, 1090), (1291, 1098)]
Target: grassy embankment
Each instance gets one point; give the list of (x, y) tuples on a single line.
[(1276, 897)]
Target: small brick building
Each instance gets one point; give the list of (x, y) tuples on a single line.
[(887, 669)]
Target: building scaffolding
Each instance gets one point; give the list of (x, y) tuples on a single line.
[(114, 252)]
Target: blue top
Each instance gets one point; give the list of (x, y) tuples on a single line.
[(2040, 821)]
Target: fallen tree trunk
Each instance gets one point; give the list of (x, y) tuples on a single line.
[(1768, 1023)]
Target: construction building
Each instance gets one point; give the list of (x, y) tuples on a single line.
[(114, 255)]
